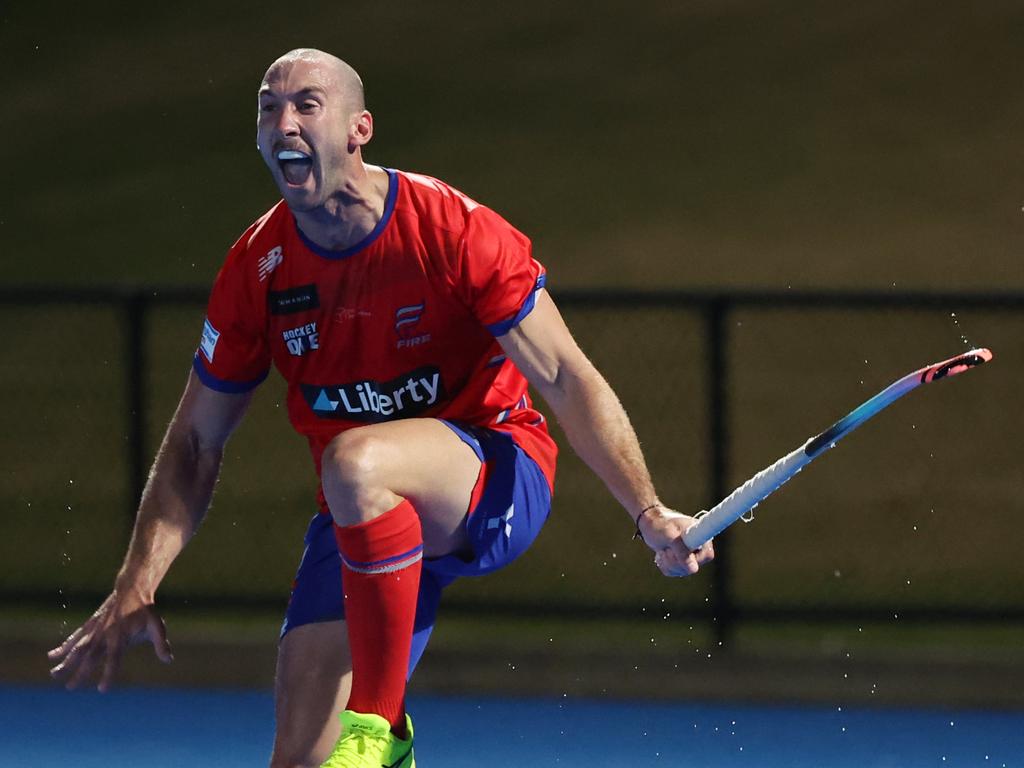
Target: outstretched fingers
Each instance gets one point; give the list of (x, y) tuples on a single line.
[(156, 631), (64, 648), (100, 643), (78, 662), (111, 663)]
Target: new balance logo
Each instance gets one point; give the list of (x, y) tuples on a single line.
[(495, 522), (270, 262)]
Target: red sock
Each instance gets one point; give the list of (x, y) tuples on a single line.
[(381, 562)]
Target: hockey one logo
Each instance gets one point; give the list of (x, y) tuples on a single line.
[(406, 319), (302, 339), (408, 395)]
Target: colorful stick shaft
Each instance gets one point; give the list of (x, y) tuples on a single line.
[(765, 482)]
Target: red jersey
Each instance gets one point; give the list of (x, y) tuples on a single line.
[(400, 325)]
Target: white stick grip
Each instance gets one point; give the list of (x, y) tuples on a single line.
[(745, 498)]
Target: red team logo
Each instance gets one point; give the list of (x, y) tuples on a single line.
[(406, 319)]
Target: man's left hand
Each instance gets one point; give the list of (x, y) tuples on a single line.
[(662, 530)]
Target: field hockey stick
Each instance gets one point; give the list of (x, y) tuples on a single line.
[(765, 482)]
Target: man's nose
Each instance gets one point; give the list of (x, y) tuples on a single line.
[(287, 125)]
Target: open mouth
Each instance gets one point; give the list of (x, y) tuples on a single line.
[(295, 165)]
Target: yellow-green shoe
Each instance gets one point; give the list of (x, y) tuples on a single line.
[(367, 742)]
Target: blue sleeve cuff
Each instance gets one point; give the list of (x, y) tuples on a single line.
[(220, 385), (500, 329)]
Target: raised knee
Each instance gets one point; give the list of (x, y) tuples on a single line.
[(354, 476), (351, 460)]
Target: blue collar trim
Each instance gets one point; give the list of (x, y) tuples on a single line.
[(389, 208)]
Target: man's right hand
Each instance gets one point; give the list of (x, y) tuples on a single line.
[(121, 622)]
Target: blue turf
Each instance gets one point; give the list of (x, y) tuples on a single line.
[(43, 727)]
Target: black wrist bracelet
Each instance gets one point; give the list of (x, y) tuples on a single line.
[(637, 534)]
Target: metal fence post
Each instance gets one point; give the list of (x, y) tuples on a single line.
[(723, 609)]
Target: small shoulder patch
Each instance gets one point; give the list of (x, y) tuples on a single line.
[(208, 344)]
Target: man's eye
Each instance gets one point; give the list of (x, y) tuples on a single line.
[(267, 108), (308, 106)]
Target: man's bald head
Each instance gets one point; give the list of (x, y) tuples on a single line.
[(331, 69), (311, 126)]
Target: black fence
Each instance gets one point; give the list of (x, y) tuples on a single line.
[(700, 337)]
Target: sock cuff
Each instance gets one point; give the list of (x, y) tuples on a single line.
[(390, 542)]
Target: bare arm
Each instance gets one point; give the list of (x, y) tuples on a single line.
[(598, 428), (180, 484), (173, 505)]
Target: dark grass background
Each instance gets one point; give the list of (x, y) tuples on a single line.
[(694, 143)]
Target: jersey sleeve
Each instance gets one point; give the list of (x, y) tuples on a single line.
[(233, 354), (496, 272)]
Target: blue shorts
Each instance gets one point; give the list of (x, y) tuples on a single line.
[(513, 507)]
